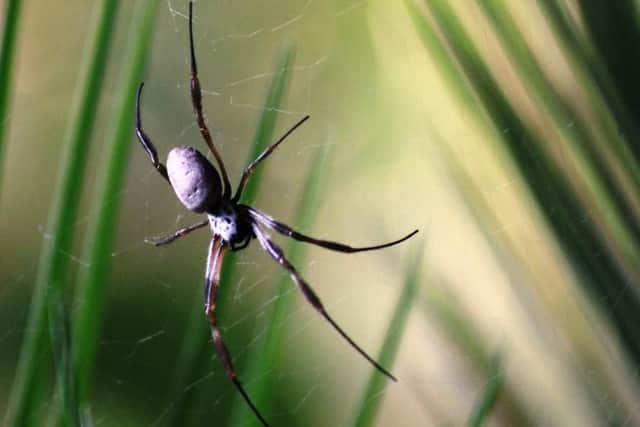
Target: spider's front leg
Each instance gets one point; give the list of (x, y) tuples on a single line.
[(196, 99), (146, 141), (265, 153)]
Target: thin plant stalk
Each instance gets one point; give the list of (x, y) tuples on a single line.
[(489, 396), (7, 58), (451, 317), (52, 274), (92, 282), (66, 398), (371, 399)]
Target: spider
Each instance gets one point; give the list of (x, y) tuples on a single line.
[(233, 225)]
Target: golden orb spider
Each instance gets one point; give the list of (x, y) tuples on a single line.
[(233, 225)]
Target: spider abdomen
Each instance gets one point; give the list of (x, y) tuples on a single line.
[(194, 179)]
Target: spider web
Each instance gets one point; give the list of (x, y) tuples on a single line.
[(378, 106)]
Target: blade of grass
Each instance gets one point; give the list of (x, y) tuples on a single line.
[(195, 345), (90, 295), (489, 397), (460, 329), (7, 57), (373, 394), (67, 406), (53, 264), (265, 356)]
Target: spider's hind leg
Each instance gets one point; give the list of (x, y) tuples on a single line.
[(284, 229), (212, 281), (312, 298)]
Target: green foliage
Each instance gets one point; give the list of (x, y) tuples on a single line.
[(550, 187), (91, 287), (53, 267), (553, 100), (602, 245)]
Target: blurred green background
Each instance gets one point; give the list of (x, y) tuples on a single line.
[(505, 131)]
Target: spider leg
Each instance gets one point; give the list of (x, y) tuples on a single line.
[(177, 234), (267, 151), (217, 250), (196, 99), (276, 253), (284, 229), (146, 141)]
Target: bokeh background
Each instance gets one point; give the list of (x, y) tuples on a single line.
[(505, 131)]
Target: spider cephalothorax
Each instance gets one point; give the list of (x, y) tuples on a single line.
[(201, 189), (232, 223)]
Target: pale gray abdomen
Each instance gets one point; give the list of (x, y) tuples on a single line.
[(194, 179)]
